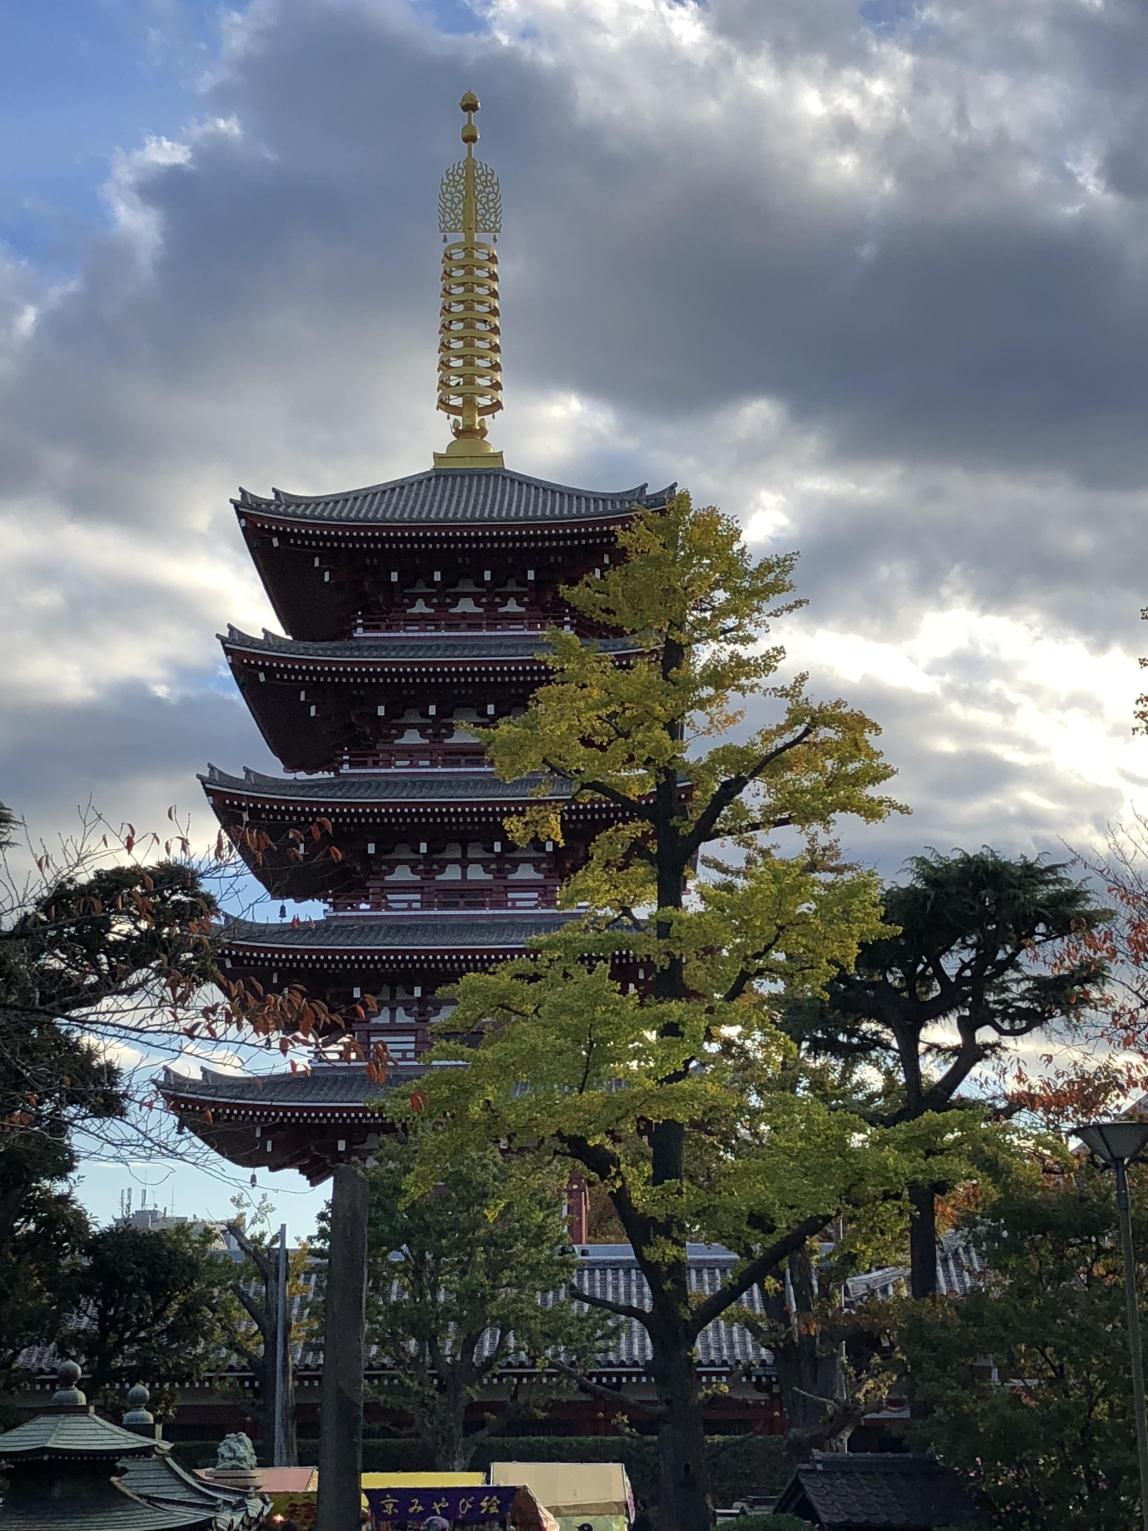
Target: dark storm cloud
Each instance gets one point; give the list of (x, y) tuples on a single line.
[(130, 753), (875, 275)]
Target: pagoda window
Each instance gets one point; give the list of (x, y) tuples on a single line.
[(402, 873)]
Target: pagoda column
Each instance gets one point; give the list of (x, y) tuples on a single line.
[(344, 1354)]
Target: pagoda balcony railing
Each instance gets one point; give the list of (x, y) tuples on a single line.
[(458, 622), (537, 895), (405, 757)]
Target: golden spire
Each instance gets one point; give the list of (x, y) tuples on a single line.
[(469, 356)]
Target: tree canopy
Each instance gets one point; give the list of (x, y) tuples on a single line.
[(646, 1027), (1026, 1381), (983, 950), (466, 1281), (150, 1305)]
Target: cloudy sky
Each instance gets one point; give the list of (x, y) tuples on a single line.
[(871, 275)]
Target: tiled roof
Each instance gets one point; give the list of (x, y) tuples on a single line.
[(456, 496), (327, 1085), (162, 1481), (959, 1269), (77, 1434), (117, 1510), (388, 787), (416, 647), (610, 1270), (879, 1490), (397, 932)]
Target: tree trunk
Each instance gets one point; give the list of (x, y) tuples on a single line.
[(341, 1396), (683, 1476), (450, 1450), (291, 1431), (810, 1366), (923, 1241)]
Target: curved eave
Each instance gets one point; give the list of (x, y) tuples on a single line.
[(372, 944), (251, 957), (321, 795), (301, 1121), (328, 532), (453, 499), (356, 658)]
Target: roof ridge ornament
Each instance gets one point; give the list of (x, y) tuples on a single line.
[(469, 348)]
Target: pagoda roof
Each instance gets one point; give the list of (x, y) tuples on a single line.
[(415, 648), (432, 786), (455, 497), (303, 1120), (329, 1086), (309, 734), (395, 933)]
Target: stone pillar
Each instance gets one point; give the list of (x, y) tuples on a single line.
[(341, 1391)]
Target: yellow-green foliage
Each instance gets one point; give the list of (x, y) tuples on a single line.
[(754, 1154)]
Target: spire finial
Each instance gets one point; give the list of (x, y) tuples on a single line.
[(469, 354)]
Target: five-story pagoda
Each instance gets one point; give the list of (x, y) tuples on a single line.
[(413, 609)]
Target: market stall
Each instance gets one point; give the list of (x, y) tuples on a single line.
[(507, 1507), (594, 1494)]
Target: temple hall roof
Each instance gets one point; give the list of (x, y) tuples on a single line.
[(455, 496)]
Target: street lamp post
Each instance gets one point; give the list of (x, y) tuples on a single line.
[(1117, 1145)]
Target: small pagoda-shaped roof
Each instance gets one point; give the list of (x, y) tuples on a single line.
[(453, 497), (74, 1435), (68, 1470)]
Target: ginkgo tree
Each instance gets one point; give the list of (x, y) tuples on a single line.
[(638, 1041)]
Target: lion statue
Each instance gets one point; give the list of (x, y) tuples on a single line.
[(235, 1454)]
